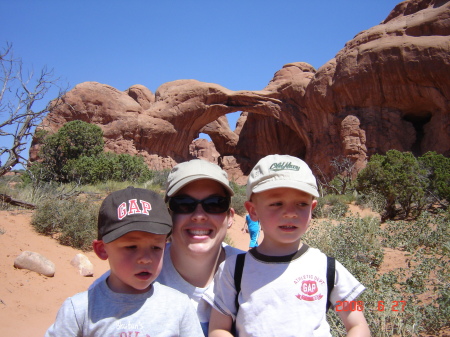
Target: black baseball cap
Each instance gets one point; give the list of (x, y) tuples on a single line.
[(132, 209)]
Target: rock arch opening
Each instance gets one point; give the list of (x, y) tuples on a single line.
[(418, 122)]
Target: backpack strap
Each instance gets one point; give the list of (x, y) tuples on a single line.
[(238, 269), (331, 271)]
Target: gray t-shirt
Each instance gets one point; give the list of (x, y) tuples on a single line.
[(160, 312), (170, 277)]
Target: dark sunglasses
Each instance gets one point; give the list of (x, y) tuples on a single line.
[(212, 204)]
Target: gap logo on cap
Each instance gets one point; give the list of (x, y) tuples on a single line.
[(133, 208), (284, 166)]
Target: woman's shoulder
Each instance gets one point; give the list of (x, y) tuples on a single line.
[(231, 251)]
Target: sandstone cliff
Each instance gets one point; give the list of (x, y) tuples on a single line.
[(388, 88)]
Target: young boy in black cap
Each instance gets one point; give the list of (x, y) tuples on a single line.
[(133, 226)]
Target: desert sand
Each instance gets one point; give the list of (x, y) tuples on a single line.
[(29, 301)]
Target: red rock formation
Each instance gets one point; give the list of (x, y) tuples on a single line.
[(395, 78), (203, 149), (388, 88)]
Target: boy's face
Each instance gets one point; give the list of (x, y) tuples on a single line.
[(200, 232), (135, 260), (284, 215)]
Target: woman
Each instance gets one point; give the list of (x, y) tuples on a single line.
[(199, 196)]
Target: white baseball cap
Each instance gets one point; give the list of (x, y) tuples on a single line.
[(196, 169), (275, 171)]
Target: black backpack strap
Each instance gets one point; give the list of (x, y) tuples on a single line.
[(240, 259), (331, 271)]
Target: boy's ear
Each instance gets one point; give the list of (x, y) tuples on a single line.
[(250, 207), (99, 249), (314, 204)]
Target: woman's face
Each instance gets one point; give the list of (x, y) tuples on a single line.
[(200, 232)]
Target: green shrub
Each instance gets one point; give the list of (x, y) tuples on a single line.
[(438, 172), (372, 200), (107, 166), (428, 230), (238, 199), (331, 206), (353, 241), (73, 140), (72, 222), (81, 233), (159, 178), (75, 154), (356, 244), (401, 181)]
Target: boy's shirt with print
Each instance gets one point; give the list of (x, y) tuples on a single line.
[(161, 311), (281, 296)]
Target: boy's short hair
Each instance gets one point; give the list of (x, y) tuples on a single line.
[(275, 171), (132, 209), (196, 169)]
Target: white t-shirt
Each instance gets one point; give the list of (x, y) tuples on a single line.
[(281, 296)]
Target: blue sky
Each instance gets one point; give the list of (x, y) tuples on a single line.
[(238, 44)]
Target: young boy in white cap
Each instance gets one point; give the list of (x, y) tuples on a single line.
[(133, 226), (283, 286)]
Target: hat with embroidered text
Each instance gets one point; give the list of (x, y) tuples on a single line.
[(196, 169), (132, 209), (275, 171)]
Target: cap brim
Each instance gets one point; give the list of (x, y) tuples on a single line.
[(185, 181), (270, 185), (139, 226)]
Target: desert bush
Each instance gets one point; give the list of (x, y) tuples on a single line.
[(341, 180), (331, 206), (438, 172), (371, 199), (428, 242), (357, 244), (431, 231), (73, 140), (238, 199), (6, 189), (401, 181), (107, 166), (75, 154), (159, 178), (73, 222)]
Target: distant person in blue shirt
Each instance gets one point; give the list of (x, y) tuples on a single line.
[(253, 228)]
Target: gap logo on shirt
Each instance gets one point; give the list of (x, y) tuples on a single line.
[(309, 288)]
